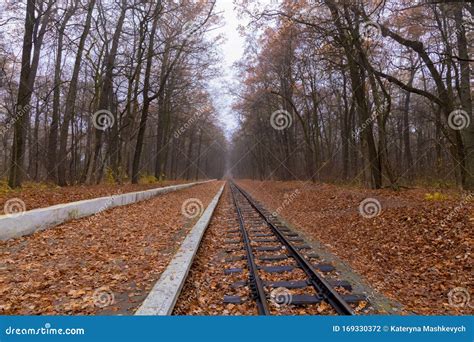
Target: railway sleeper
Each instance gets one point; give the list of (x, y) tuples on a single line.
[(312, 256), (235, 249), (326, 268), (275, 257), (292, 284), (305, 299), (236, 258), (232, 300), (300, 299), (340, 283), (233, 270), (232, 242), (301, 247), (240, 283), (296, 239), (268, 248), (298, 284), (265, 240), (259, 231), (277, 269), (232, 231)]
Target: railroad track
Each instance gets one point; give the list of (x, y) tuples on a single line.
[(280, 268)]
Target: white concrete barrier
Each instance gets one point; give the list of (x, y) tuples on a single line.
[(162, 298), (30, 221)]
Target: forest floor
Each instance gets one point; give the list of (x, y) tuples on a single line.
[(415, 251), (36, 195), (103, 264)]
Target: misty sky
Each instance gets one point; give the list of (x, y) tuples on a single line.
[(232, 50)]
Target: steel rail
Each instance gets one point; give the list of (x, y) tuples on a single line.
[(255, 283), (323, 288)]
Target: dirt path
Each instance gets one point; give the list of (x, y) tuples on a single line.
[(105, 264)]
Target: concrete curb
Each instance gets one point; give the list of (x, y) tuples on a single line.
[(38, 219), (162, 298)]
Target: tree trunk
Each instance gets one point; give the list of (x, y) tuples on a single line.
[(198, 156), (466, 100), (53, 133), (406, 129), (22, 108), (146, 99), (106, 97), (71, 98)]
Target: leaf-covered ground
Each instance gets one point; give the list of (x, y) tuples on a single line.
[(104, 264), (41, 195), (416, 251)]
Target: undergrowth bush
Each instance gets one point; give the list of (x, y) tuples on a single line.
[(4, 188), (148, 179), (437, 196)]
